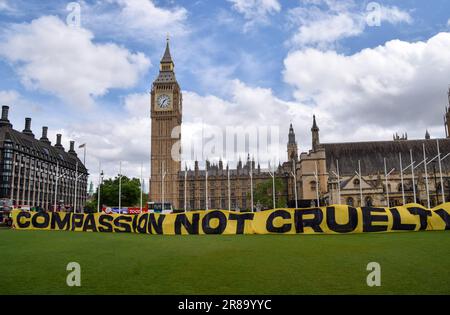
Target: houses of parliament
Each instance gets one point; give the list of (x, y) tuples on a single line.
[(326, 174)]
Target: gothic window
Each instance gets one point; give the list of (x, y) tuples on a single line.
[(313, 185)]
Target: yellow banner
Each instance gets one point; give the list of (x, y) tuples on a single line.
[(326, 220)]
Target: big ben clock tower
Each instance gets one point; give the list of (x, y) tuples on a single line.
[(166, 114)]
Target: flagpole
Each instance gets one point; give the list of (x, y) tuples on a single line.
[(251, 186), (76, 189), (387, 183), (229, 189), (120, 187), (206, 188), (273, 186), (413, 176), (142, 181), (401, 178), (99, 184), (272, 173), (360, 183), (163, 176), (316, 175), (440, 172), (56, 185), (339, 181), (426, 176)]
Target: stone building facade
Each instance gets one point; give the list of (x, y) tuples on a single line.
[(239, 182), (317, 171), (345, 160), (29, 169)]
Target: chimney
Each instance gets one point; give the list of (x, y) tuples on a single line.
[(72, 148), (44, 135), (4, 121), (27, 131), (58, 142)]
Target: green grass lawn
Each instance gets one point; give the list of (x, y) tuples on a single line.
[(34, 262)]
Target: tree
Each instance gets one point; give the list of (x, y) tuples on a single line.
[(263, 194), (91, 206), (131, 192)]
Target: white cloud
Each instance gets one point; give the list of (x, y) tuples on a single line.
[(21, 106), (65, 61), (139, 19), (246, 107), (8, 97), (328, 29), (115, 136), (448, 22), (321, 23), (394, 15), (366, 95), (4, 6), (256, 11)]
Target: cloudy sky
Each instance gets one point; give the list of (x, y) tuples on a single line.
[(366, 70)]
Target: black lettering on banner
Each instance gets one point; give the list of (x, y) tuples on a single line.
[(122, 224), (105, 223), (314, 223), (206, 222), (350, 226), (423, 214), (60, 221), (35, 223), (156, 226), (191, 227), (142, 223), (444, 216), (77, 221), (369, 219), (89, 223), (20, 215), (282, 229), (397, 224), (240, 220)]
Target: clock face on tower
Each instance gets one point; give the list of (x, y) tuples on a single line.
[(163, 101)]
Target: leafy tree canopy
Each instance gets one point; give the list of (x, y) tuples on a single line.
[(263, 194), (131, 193)]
